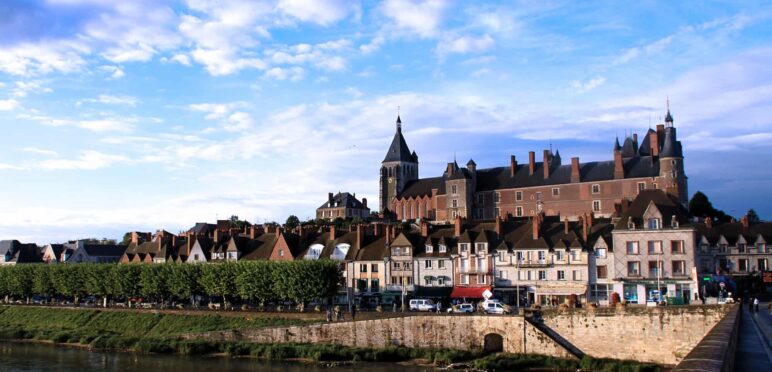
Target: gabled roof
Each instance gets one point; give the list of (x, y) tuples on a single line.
[(17, 252), (104, 250), (260, 248), (343, 199), (398, 151), (667, 205), (202, 228)]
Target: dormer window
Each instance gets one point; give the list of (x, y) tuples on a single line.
[(481, 248), (630, 224), (654, 224), (463, 247), (674, 222), (429, 248), (443, 249)]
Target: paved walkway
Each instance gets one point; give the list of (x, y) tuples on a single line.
[(755, 342)]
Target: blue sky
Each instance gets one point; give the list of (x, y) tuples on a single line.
[(150, 114)]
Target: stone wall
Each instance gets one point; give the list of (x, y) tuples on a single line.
[(663, 335)]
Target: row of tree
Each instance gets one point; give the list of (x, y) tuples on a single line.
[(254, 281)]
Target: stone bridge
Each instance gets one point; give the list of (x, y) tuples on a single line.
[(658, 335)]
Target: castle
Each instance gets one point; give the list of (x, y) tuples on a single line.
[(547, 186)]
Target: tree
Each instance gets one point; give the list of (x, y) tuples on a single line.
[(124, 281), (254, 281), (152, 281), (183, 281), (700, 206), (237, 223), (753, 217), (95, 279), (218, 279), (42, 283), (291, 280), (292, 222), (126, 238)]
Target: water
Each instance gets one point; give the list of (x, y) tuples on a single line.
[(27, 357)]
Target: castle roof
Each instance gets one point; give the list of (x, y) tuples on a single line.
[(398, 151)]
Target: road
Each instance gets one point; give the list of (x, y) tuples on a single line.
[(754, 347)]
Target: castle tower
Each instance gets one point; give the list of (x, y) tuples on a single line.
[(399, 167), (671, 162)]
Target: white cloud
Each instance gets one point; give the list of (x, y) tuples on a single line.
[(9, 104), (27, 59), (583, 87), (181, 59), (415, 16), (290, 73), (373, 45), (322, 12), (465, 44), (36, 150), (225, 61), (88, 160), (480, 72), (107, 124), (6, 166), (25, 87), (215, 111), (113, 100), (114, 71)]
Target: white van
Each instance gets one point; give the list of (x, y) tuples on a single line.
[(495, 308), (422, 305)]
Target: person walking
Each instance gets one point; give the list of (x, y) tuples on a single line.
[(756, 305), (439, 307), (394, 307), (329, 315)]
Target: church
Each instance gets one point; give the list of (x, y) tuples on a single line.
[(523, 189)]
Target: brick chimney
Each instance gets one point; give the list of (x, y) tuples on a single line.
[(531, 162), (457, 231), (498, 225), (450, 169), (424, 228), (377, 229), (189, 245), (252, 232), (654, 143), (536, 225), (360, 235), (331, 200), (745, 222), (512, 165), (332, 232), (364, 202), (635, 141), (174, 240), (546, 162), (278, 231), (709, 222), (619, 169), (134, 237), (388, 234), (575, 176), (660, 132), (584, 228), (590, 219), (216, 235), (565, 226), (393, 232)]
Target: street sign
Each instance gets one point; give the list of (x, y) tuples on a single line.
[(487, 294)]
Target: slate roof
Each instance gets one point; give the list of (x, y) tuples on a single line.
[(671, 148), (16, 252), (398, 151), (665, 203), (202, 228), (733, 230), (104, 250), (343, 199)]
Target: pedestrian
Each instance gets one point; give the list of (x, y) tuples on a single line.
[(329, 315), (756, 304), (439, 307), (353, 312), (394, 306)]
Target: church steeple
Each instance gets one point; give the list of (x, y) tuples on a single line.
[(668, 117), (399, 124), (399, 166)]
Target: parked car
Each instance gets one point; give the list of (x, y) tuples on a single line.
[(495, 308), (461, 309), (422, 305)]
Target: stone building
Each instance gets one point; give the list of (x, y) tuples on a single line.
[(547, 186), (343, 205), (654, 249), (737, 248)]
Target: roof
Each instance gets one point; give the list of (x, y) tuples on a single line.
[(398, 151), (104, 250), (16, 252), (628, 149), (671, 148), (423, 187), (732, 231), (343, 199), (202, 228), (667, 205)]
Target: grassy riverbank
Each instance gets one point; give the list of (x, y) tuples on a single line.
[(144, 332)]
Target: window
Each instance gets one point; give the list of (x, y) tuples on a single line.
[(464, 264), (602, 272), (428, 280), (502, 256), (722, 248), (741, 247), (496, 212), (429, 249), (496, 197), (480, 248), (394, 280), (541, 255), (633, 268), (480, 279), (762, 264), (480, 213), (705, 266), (596, 205), (374, 268), (641, 186), (559, 255), (453, 189), (397, 266), (742, 264), (761, 247), (374, 285), (409, 280), (653, 269), (577, 275), (555, 191), (561, 275), (538, 196), (502, 274), (576, 255), (440, 280), (655, 247), (362, 268), (195, 257), (632, 247), (232, 255), (677, 247), (481, 264), (519, 211), (362, 285), (428, 264), (454, 203), (679, 268), (406, 265), (463, 247), (480, 199), (703, 248), (454, 214), (519, 256), (464, 279), (441, 264), (395, 251), (442, 248), (653, 223), (600, 253), (596, 189), (518, 196), (542, 275), (281, 253)]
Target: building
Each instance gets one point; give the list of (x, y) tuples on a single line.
[(547, 186), (343, 205), (654, 250), (13, 252), (739, 249)]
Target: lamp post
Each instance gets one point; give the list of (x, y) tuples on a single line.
[(517, 280)]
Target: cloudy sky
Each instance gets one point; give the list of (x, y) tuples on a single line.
[(123, 115)]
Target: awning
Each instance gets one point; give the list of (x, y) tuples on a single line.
[(468, 292), (433, 292), (561, 290)]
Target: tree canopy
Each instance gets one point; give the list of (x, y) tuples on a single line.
[(700, 206)]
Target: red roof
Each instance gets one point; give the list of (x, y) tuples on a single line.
[(468, 292)]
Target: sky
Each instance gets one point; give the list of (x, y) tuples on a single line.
[(145, 115)]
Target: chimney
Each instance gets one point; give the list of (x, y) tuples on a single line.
[(278, 231), (364, 202), (457, 231), (330, 200), (424, 228), (635, 141), (377, 229), (745, 222), (393, 232), (536, 224), (709, 222), (512, 165), (216, 235), (134, 237), (619, 170), (332, 232), (388, 234), (531, 162), (546, 164), (590, 218), (450, 169), (565, 226), (302, 233), (174, 240), (188, 245), (575, 177), (584, 228), (252, 232), (498, 225), (654, 143), (360, 235)]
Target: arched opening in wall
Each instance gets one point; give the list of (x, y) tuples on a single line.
[(493, 343)]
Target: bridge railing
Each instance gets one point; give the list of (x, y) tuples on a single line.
[(716, 351)]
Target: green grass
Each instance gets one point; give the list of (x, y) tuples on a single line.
[(513, 362)]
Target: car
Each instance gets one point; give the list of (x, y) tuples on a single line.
[(491, 307), (422, 305), (462, 309)]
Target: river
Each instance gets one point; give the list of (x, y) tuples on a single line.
[(28, 357)]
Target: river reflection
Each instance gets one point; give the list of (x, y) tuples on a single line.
[(18, 357)]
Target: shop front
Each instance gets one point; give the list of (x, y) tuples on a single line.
[(553, 296)]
